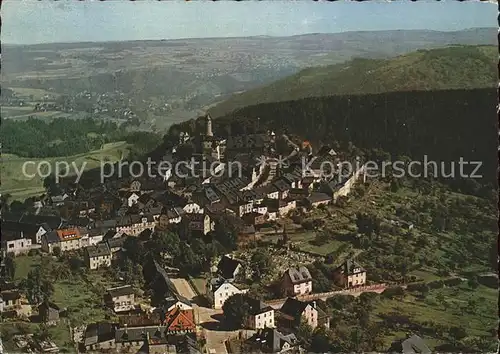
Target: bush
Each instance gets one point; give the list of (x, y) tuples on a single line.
[(436, 284), (56, 251), (34, 252), (393, 292), (415, 287), (452, 282)]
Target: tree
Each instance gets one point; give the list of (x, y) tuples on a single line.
[(56, 251), (473, 282), (5, 201), (367, 223), (134, 250), (236, 311), (17, 207), (165, 242), (304, 331), (320, 341), (457, 333), (49, 183), (261, 264), (187, 261), (37, 288), (10, 266)]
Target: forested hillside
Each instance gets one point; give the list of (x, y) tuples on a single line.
[(457, 67), (445, 125)]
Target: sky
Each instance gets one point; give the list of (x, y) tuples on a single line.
[(49, 21)]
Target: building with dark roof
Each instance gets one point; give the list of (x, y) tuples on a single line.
[(270, 340), (296, 281), (98, 256), (120, 299), (99, 336), (411, 345), (49, 312), (19, 230), (228, 267), (260, 315), (316, 199), (293, 311), (350, 274)]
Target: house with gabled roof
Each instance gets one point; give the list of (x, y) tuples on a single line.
[(270, 340), (296, 281), (169, 216), (15, 243), (350, 274), (179, 321), (25, 230), (120, 299), (98, 256), (293, 311), (260, 315), (134, 224), (219, 290), (49, 312), (99, 336), (411, 345), (65, 239), (315, 199), (228, 268)]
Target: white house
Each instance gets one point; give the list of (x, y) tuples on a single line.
[(132, 199), (121, 298), (192, 207), (16, 245), (296, 282), (98, 256), (260, 315), (219, 290)]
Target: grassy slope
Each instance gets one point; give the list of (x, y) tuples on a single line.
[(21, 187), (445, 68), (478, 322), (340, 222)]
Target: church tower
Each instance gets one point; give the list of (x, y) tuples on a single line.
[(209, 126)]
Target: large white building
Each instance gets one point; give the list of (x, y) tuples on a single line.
[(98, 256), (260, 316), (219, 290)]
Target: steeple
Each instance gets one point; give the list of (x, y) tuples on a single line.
[(209, 126)]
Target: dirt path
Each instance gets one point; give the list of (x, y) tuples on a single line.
[(184, 288)]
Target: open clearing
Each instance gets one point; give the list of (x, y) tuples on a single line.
[(21, 186)]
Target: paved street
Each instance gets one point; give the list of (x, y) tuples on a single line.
[(207, 320)]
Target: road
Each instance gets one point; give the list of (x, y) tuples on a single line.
[(208, 320), (184, 288), (276, 304)]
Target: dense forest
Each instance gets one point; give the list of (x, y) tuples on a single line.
[(444, 125), (37, 138), (455, 67)]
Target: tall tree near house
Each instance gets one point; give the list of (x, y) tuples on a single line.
[(236, 311), (10, 266), (36, 287), (261, 264), (473, 283), (5, 201)]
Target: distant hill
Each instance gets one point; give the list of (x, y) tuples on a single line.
[(455, 67)]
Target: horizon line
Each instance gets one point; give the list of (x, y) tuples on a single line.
[(237, 37)]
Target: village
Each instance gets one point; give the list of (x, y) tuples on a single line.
[(154, 304)]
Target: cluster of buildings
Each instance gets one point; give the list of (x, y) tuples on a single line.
[(97, 221)]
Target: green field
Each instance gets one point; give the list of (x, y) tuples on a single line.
[(479, 320), (27, 92), (21, 187)]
